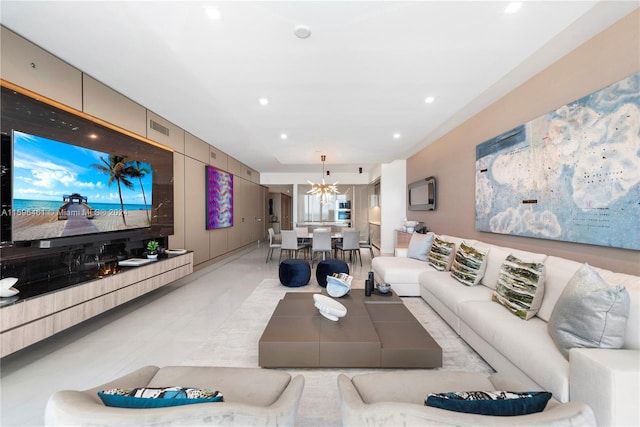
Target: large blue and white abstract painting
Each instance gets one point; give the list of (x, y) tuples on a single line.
[(571, 175)]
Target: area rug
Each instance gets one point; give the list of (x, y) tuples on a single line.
[(236, 344)]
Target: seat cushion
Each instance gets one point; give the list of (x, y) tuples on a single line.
[(237, 384), (399, 269), (450, 292), (412, 386), (536, 355)]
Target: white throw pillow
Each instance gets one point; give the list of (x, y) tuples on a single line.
[(420, 245)]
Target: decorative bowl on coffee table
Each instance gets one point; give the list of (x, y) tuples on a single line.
[(329, 308), (336, 287)]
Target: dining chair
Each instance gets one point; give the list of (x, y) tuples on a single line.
[(272, 244), (321, 243), (303, 237), (366, 244), (290, 243), (351, 243)]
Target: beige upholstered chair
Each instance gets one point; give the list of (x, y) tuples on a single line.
[(321, 243), (252, 397), (272, 244), (397, 398), (350, 243), (290, 243), (366, 244)]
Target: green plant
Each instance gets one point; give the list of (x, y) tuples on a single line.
[(152, 246)]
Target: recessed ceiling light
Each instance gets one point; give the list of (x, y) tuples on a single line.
[(396, 135), (302, 31), (513, 7), (212, 13), (93, 136), (284, 136), (429, 99), (263, 101)]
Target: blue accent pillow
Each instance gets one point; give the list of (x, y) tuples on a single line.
[(498, 403), (148, 397)]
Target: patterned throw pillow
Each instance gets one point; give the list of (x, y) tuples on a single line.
[(497, 403), (520, 287), (440, 254), (157, 397), (469, 264)]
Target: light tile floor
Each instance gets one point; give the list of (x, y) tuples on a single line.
[(161, 328)]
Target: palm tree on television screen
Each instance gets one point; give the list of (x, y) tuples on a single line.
[(119, 172), (139, 171)]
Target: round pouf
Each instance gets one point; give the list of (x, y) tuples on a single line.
[(327, 268), (294, 272)]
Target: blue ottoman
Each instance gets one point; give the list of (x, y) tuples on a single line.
[(327, 268), (294, 272)]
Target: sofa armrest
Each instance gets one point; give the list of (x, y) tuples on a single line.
[(401, 252), (78, 408), (608, 381), (356, 413)]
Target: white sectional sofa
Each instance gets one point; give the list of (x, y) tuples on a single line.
[(608, 380)]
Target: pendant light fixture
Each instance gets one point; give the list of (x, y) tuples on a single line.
[(324, 190)]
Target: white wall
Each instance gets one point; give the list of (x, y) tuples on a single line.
[(393, 202)]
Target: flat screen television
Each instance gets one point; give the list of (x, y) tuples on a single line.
[(422, 195), (53, 163), (62, 190)]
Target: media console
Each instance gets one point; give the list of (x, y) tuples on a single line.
[(30, 320)]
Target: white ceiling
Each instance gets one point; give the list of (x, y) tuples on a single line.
[(361, 76)]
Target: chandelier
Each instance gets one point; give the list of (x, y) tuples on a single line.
[(324, 190)]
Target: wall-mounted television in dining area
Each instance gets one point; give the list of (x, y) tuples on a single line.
[(73, 180), (422, 195)]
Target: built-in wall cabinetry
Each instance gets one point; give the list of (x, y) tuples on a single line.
[(195, 234), (218, 159), (27, 322), (239, 169), (249, 213), (31, 67), (164, 132), (196, 148), (106, 104), (178, 239)]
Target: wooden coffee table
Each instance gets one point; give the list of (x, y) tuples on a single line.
[(377, 332)]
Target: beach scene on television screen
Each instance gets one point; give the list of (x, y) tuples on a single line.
[(63, 190)]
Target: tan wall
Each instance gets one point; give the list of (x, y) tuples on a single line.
[(609, 57)]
